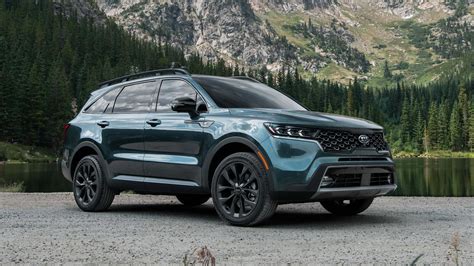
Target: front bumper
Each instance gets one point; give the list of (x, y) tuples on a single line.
[(365, 187), (298, 168)]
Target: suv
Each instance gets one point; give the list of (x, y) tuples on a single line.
[(234, 139)]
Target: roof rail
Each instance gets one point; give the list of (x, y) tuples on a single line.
[(151, 73), (245, 78)]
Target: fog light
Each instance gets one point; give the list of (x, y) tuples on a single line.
[(327, 181), (389, 179)]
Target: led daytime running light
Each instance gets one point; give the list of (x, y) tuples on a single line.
[(291, 131)]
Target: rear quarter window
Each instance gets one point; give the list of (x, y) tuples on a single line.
[(105, 103)]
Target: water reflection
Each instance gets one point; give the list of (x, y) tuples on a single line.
[(435, 177), (415, 177), (34, 177)]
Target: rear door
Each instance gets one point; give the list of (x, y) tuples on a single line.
[(173, 141), (123, 129)]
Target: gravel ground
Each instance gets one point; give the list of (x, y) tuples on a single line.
[(49, 228)]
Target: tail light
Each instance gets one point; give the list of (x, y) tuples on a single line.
[(65, 129)]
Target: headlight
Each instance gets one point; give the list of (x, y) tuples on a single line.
[(291, 131)]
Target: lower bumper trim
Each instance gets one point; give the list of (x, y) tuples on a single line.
[(353, 192)]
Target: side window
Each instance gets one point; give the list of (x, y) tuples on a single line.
[(104, 103), (135, 98), (172, 89)]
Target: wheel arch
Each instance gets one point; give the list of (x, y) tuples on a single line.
[(86, 148), (228, 146)]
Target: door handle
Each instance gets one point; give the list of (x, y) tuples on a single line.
[(153, 122), (103, 124)]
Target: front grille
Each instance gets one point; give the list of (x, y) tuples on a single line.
[(345, 141), (347, 180), (357, 176), (380, 179)]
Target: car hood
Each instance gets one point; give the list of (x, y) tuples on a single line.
[(308, 118)]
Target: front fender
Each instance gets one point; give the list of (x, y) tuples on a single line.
[(240, 138)]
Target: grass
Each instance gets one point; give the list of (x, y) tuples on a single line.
[(16, 153), (435, 154), (454, 250), (338, 73), (20, 187), (399, 37), (280, 23)]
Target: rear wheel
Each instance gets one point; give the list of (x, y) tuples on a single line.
[(90, 188), (241, 190), (347, 207), (192, 200)]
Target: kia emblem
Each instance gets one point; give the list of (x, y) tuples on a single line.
[(364, 139)]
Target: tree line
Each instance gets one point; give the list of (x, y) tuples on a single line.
[(50, 62)]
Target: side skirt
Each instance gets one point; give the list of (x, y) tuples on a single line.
[(157, 186)]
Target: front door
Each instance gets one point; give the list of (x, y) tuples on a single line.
[(173, 141)]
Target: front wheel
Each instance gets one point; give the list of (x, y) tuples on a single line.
[(90, 188), (241, 190), (347, 207)]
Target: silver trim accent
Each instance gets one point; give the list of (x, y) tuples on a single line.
[(340, 189), (160, 181), (353, 192), (301, 139)]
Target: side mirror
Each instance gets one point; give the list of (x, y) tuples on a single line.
[(184, 105)]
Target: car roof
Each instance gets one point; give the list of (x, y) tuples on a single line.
[(106, 86), (151, 75)]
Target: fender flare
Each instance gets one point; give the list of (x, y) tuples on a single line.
[(98, 151), (241, 139)]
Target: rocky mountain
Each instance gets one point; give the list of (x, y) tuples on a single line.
[(81, 8), (335, 39)]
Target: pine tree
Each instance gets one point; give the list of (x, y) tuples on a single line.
[(426, 140), (455, 128), (48, 60), (471, 127), (59, 103), (33, 118), (386, 71), (405, 122), (418, 133), (443, 127), (464, 112), (432, 129), (350, 104)]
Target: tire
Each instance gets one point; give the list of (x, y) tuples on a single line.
[(192, 200), (340, 207), (241, 182), (89, 186)]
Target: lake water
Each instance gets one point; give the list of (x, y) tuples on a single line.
[(415, 177)]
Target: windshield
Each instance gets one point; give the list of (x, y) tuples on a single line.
[(238, 93)]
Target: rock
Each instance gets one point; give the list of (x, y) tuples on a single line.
[(200, 256)]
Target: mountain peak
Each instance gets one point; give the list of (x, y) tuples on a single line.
[(336, 39)]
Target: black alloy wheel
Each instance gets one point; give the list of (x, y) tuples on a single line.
[(240, 190), (90, 188), (85, 184)]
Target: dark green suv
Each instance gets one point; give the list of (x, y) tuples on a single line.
[(244, 144)]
